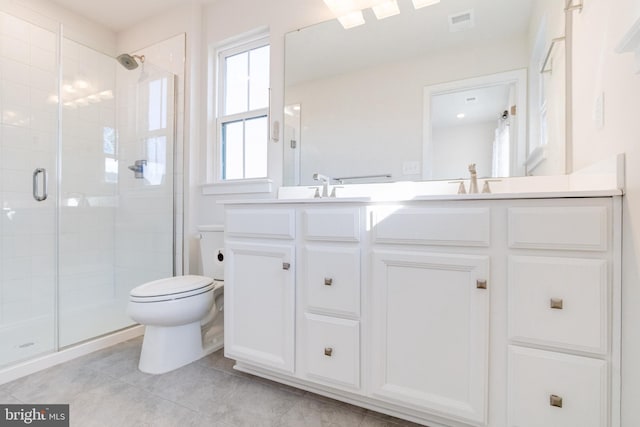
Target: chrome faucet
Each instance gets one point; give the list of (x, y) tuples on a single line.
[(473, 182), (325, 180)]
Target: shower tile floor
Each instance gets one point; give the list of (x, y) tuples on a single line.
[(106, 389)]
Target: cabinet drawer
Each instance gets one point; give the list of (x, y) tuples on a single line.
[(332, 224), (432, 226), (332, 350), (561, 302), (269, 223), (569, 228), (332, 279), (554, 389)]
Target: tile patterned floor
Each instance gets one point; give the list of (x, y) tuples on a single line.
[(106, 389)]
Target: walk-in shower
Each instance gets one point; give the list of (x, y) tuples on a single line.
[(77, 229)]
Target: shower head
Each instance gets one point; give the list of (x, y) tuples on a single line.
[(129, 61)]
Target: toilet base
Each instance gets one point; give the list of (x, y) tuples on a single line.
[(165, 348)]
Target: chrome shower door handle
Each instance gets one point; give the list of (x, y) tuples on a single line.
[(40, 197)]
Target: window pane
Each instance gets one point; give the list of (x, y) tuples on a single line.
[(157, 108), (232, 151), (155, 170), (256, 134), (259, 78), (236, 91)]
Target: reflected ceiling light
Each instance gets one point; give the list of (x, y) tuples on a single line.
[(386, 9), (342, 7), (81, 84), (68, 88), (423, 3), (351, 19), (106, 94), (460, 115)]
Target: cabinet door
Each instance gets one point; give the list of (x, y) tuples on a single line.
[(430, 332), (260, 304)]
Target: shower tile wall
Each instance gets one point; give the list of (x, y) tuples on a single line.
[(144, 219), (28, 134), (88, 194)]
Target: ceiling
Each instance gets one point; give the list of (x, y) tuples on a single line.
[(480, 104), (118, 15)]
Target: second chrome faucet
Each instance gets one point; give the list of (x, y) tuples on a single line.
[(325, 180)]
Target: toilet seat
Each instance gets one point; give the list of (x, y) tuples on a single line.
[(172, 288)]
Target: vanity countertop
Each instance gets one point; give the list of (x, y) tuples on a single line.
[(605, 179), (437, 197)]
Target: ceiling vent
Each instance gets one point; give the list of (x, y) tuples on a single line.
[(461, 21)]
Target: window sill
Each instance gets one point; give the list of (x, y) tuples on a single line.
[(240, 186)]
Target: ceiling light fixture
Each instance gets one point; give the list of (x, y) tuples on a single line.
[(423, 3), (351, 19), (460, 115), (386, 9)]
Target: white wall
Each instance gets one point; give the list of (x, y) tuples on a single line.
[(456, 147), (599, 70)]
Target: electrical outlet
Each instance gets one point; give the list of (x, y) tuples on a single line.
[(411, 168)]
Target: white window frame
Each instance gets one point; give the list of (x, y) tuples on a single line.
[(222, 53)]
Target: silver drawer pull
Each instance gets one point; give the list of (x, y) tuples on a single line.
[(555, 401), (556, 303), (286, 265), (328, 281), (328, 351), (481, 284)]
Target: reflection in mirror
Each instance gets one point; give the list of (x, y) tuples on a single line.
[(359, 93), (476, 121)]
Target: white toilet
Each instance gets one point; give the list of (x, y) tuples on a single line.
[(182, 314)]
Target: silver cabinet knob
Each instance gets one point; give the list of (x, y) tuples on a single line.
[(556, 303), (328, 281), (286, 266), (555, 401), (328, 351)]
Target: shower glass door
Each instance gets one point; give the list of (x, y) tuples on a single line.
[(28, 188), (116, 225), (78, 228)]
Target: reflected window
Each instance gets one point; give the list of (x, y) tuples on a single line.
[(242, 125), (158, 104), (110, 170), (156, 167), (109, 149)]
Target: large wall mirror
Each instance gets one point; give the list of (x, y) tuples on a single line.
[(420, 95)]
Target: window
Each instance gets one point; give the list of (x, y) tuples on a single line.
[(243, 122)]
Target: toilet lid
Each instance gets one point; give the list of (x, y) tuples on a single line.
[(171, 286)]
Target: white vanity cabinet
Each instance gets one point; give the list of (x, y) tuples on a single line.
[(329, 296), (452, 313), (430, 290), (563, 313), (260, 287)]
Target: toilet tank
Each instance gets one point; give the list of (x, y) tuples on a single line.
[(212, 250)]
